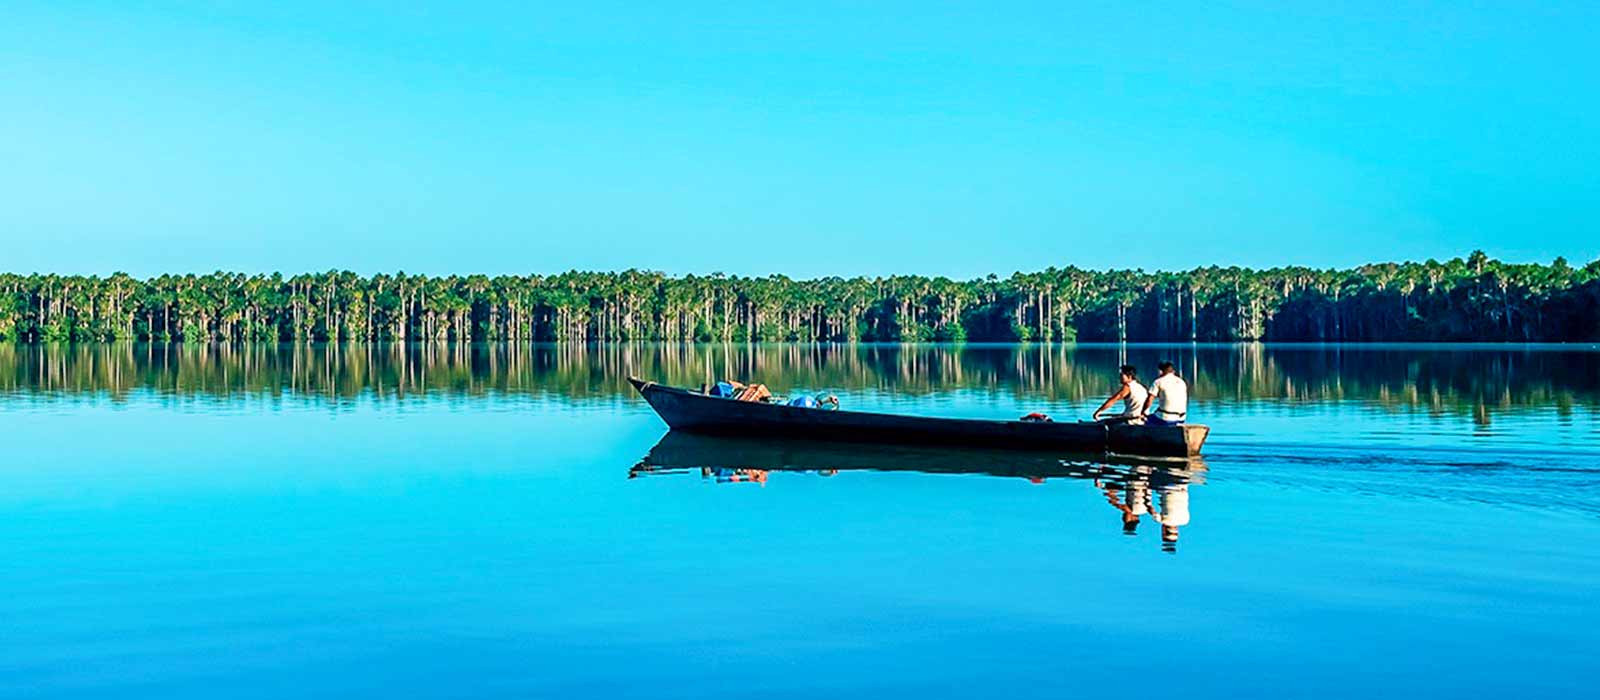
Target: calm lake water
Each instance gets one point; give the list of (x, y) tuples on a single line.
[(500, 521)]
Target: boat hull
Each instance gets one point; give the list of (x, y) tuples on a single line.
[(701, 413)]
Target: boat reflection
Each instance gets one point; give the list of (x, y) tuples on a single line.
[(1138, 490)]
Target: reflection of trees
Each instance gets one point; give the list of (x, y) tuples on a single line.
[(1477, 382)]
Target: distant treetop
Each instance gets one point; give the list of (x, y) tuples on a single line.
[(1476, 298)]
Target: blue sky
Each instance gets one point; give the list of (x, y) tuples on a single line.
[(810, 139)]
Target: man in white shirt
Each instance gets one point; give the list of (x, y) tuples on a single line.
[(1174, 395)]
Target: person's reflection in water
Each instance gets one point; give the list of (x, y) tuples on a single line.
[(1130, 494), (1172, 506), (1130, 498)]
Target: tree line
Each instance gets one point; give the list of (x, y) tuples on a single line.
[(1474, 298)]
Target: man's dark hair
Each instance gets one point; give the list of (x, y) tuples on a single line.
[(1131, 371), (1165, 366)]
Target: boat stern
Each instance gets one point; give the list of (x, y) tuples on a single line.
[(1194, 436)]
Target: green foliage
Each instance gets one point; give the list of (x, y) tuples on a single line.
[(1476, 298)]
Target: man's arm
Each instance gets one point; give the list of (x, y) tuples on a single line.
[(1150, 397), (1123, 392)]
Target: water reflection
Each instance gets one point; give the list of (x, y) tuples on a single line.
[(1138, 490), (1475, 382), (1131, 497)]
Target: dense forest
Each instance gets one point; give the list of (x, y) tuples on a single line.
[(1464, 299)]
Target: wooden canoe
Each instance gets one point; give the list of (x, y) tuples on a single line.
[(693, 411)]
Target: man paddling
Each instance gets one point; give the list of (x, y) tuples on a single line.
[(1174, 395), (1132, 394)]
